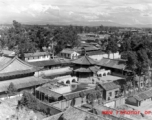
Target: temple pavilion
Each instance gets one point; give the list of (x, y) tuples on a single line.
[(85, 66)]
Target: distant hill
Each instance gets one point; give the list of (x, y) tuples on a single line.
[(84, 23)]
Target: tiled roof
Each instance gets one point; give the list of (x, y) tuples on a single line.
[(149, 93), (87, 70), (85, 45), (84, 60), (90, 69), (48, 92), (8, 52), (44, 63), (137, 98), (21, 83), (70, 96), (110, 86), (4, 60), (15, 64), (143, 96), (98, 52), (112, 63), (50, 62), (87, 48), (94, 69), (91, 48), (8, 74), (69, 51)]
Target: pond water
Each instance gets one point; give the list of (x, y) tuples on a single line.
[(78, 87)]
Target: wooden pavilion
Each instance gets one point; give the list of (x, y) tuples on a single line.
[(85, 66)]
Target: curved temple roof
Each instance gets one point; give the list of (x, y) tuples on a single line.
[(85, 60)]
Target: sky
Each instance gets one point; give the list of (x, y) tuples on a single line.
[(125, 12)]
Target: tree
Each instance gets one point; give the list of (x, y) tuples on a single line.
[(65, 36), (11, 89), (132, 63), (82, 95), (28, 100), (18, 39), (91, 97), (139, 53), (112, 46), (98, 95)]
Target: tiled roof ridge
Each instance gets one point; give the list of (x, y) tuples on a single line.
[(16, 58), (87, 57)]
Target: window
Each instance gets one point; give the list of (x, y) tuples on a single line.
[(116, 92), (110, 93), (141, 84)]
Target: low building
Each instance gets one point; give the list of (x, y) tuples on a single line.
[(89, 48), (52, 63), (117, 66), (69, 54), (88, 37), (21, 74), (6, 52), (139, 99), (142, 81), (38, 56), (53, 67), (62, 96), (97, 55), (124, 55), (84, 67), (110, 90)]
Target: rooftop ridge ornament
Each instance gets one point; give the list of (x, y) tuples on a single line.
[(84, 51)]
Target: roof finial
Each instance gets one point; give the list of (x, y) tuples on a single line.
[(84, 51)]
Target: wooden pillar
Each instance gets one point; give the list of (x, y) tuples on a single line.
[(48, 98), (61, 105), (66, 104), (39, 94)]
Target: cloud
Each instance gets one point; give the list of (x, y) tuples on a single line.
[(42, 8), (70, 13), (119, 11), (13, 9)]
